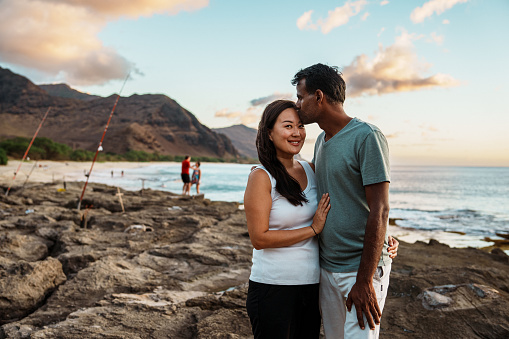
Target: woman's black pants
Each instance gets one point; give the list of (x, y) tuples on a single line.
[(283, 311)]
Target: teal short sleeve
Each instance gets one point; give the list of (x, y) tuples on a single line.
[(374, 159)]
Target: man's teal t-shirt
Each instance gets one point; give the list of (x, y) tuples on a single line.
[(356, 156)]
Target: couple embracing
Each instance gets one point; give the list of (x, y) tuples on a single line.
[(318, 229)]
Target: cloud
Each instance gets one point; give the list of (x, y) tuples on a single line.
[(60, 37), (384, 2), (304, 22), (446, 22), (396, 68), (381, 31), (134, 9), (433, 6), (337, 17), (393, 135), (265, 100), (247, 118), (365, 16), (429, 128), (434, 37), (253, 113)]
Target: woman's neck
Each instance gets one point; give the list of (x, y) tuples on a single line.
[(288, 162)]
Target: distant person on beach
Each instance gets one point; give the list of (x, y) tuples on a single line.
[(196, 177), (351, 160), (112, 174), (122, 173), (186, 164)]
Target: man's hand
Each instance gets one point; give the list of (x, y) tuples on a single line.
[(363, 296)]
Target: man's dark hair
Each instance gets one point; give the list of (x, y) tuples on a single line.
[(286, 185), (187, 157), (328, 79)]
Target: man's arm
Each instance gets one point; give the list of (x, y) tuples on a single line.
[(362, 294)]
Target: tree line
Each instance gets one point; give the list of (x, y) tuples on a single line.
[(47, 149)]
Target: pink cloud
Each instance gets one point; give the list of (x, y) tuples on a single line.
[(60, 37), (396, 68)]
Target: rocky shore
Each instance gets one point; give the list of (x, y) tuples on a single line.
[(177, 267)]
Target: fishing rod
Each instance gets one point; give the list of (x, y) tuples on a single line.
[(29, 174), (99, 148), (26, 152)]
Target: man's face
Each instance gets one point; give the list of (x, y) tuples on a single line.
[(306, 104)]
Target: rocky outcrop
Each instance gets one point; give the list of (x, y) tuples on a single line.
[(183, 274), (151, 122), (25, 285), (441, 292), (177, 267), (243, 138)]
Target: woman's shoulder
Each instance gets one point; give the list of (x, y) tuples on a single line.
[(259, 177), (259, 172), (305, 163)]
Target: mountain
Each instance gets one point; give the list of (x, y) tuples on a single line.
[(150, 122), (243, 138), (65, 91)]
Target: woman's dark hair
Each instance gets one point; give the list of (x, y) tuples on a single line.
[(286, 185)]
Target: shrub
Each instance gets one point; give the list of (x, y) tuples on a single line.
[(3, 157)]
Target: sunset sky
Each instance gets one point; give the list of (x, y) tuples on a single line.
[(432, 74)]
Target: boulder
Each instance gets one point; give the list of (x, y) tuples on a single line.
[(25, 285)]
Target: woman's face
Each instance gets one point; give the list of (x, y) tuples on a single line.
[(288, 133)]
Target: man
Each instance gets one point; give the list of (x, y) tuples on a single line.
[(186, 189), (351, 159)]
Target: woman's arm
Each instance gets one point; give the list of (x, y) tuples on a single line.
[(257, 204)]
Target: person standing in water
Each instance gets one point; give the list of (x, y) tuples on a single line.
[(196, 177), (184, 174)]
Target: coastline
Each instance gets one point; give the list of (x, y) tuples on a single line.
[(56, 172)]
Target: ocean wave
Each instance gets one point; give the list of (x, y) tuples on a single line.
[(466, 221)]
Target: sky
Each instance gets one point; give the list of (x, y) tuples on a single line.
[(431, 74)]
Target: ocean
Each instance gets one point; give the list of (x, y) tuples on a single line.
[(470, 200)]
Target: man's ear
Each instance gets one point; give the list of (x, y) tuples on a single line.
[(319, 96)]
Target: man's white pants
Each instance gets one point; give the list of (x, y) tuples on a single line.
[(334, 289)]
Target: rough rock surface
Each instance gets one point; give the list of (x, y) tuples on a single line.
[(181, 272)]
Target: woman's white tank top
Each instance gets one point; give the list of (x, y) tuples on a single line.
[(297, 264)]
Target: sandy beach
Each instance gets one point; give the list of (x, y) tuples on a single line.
[(50, 171)]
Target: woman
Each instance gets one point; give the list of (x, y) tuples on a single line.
[(196, 177), (283, 220)]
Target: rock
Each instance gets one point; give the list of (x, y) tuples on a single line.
[(187, 277), (24, 286), (25, 247), (432, 300), (441, 292)]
